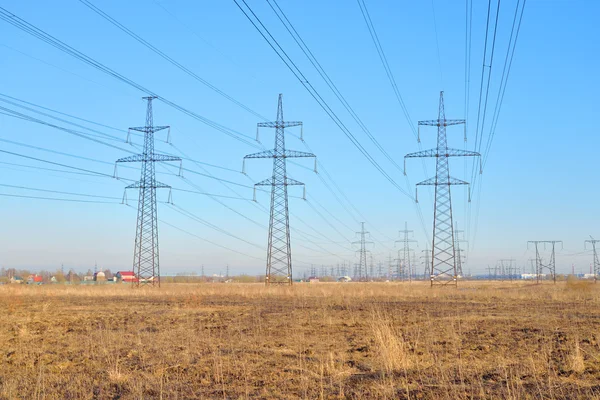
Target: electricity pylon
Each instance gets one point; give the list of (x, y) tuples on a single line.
[(457, 242), (361, 267), (507, 264), (145, 254), (596, 263), (425, 257), (279, 250), (539, 266), (406, 252), (443, 260)]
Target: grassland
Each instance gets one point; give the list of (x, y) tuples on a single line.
[(314, 341)]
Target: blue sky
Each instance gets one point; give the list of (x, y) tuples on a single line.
[(539, 182)]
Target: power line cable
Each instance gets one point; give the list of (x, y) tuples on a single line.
[(168, 58), (38, 33)]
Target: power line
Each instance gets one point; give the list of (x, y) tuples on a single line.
[(168, 58), (386, 66), (57, 199), (308, 86), (38, 33)]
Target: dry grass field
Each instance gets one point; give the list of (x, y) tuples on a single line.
[(313, 341)]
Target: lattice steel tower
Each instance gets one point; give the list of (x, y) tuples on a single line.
[(539, 266), (145, 252), (458, 250), (279, 251), (443, 260), (406, 269), (361, 267), (596, 263)]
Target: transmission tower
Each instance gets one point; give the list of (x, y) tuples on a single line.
[(279, 251), (443, 260), (596, 263), (390, 268), (457, 242), (426, 263), (361, 267), (380, 270), (539, 266), (506, 265), (406, 267), (145, 252)]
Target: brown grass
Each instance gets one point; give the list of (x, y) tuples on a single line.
[(324, 341)]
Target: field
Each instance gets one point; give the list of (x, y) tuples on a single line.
[(313, 341)]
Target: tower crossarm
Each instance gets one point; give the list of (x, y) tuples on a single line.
[(151, 158), (265, 182), (279, 124), (148, 129), (262, 154), (297, 154), (440, 122), (138, 185), (293, 182), (435, 153), (433, 182)]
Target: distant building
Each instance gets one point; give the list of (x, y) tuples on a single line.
[(344, 279), (100, 276), (16, 279), (34, 279), (532, 276), (126, 276), (313, 279)]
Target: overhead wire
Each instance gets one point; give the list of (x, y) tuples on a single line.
[(166, 57), (312, 91), (38, 33)]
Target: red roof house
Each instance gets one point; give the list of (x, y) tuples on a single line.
[(126, 276)]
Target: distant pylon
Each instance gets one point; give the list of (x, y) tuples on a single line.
[(457, 242), (443, 260), (539, 266), (145, 254), (507, 268), (279, 250), (361, 268), (406, 265), (596, 263), (426, 263)]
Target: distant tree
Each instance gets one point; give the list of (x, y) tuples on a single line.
[(60, 276), (108, 274)]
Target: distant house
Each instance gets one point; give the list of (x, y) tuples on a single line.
[(100, 276), (16, 279), (313, 279), (344, 279), (126, 276), (34, 279)]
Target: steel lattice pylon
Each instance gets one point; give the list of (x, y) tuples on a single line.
[(146, 265), (360, 272), (279, 251), (406, 270), (539, 266), (593, 242), (443, 260)]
